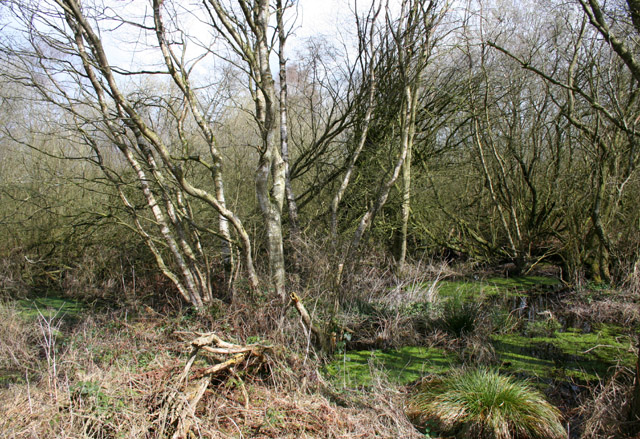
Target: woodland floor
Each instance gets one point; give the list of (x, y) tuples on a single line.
[(74, 369)]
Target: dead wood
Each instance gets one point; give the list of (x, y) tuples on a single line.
[(177, 414), (321, 339)]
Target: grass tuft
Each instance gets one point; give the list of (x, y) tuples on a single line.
[(459, 316), (486, 405)]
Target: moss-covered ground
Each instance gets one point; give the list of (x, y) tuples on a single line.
[(495, 286), (399, 366), (541, 350), (571, 354), (50, 307)]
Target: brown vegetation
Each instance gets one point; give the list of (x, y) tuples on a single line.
[(120, 375), (282, 221)]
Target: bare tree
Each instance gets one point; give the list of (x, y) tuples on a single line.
[(66, 58), (408, 44), (368, 58), (247, 33), (599, 103)]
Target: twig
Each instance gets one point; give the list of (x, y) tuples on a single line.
[(597, 346)]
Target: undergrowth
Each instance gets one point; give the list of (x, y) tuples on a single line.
[(76, 370), (102, 378)]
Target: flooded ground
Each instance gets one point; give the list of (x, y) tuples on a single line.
[(524, 325)]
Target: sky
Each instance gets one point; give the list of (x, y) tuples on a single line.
[(328, 18), (128, 47), (331, 19), (321, 16)]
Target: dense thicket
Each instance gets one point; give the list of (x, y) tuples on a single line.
[(498, 132)]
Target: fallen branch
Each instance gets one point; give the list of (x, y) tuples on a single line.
[(320, 337), (178, 407)]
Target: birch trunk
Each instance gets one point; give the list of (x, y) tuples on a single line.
[(188, 285), (250, 40), (406, 205), (271, 164), (284, 135)]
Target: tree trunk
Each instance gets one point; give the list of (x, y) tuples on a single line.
[(409, 133), (272, 215), (284, 136), (271, 164)]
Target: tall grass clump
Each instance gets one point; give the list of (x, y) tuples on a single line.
[(483, 404), (459, 316)]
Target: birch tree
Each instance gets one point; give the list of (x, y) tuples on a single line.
[(408, 44), (247, 33), (63, 58)]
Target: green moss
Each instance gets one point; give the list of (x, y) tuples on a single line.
[(570, 354), (495, 286), (399, 366), (523, 282), (49, 306)]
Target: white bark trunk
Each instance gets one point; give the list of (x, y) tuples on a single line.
[(284, 135), (271, 164)]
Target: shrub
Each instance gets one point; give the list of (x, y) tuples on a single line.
[(485, 405), (459, 316)]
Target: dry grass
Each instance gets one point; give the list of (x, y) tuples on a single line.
[(621, 310), (111, 369), (18, 349), (268, 412), (419, 283), (605, 410)]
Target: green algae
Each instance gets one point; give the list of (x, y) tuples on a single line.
[(398, 366), (571, 354)]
